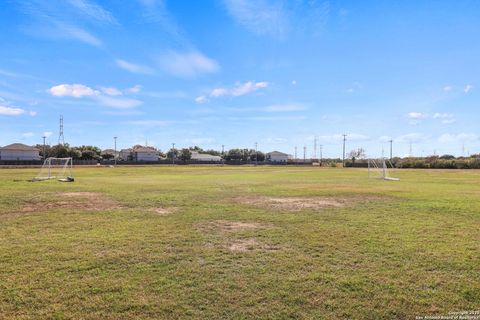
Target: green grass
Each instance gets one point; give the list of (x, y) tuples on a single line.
[(396, 250)]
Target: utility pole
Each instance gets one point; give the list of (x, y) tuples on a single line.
[(115, 149), (44, 155), (391, 149), (304, 154), (256, 153), (314, 147), (61, 138), (223, 149), (343, 159), (295, 154), (321, 155), (410, 150), (173, 153)]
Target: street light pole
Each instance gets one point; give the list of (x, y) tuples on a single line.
[(44, 155), (115, 150), (321, 155), (304, 154), (295, 154), (391, 148), (343, 159)]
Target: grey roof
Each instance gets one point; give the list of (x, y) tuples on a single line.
[(20, 147), (277, 153)]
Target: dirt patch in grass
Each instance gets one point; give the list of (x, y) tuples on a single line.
[(83, 201), (294, 203), (161, 211), (222, 226), (251, 244)]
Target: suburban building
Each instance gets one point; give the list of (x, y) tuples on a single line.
[(141, 153), (109, 153), (126, 154), (277, 156), (19, 151), (205, 157)]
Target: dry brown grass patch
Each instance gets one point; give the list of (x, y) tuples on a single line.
[(294, 203), (251, 244), (161, 211), (230, 226), (83, 201)]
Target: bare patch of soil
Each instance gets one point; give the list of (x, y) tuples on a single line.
[(252, 244), (84, 201), (231, 226), (294, 203), (163, 211)]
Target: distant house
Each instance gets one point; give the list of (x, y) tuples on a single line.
[(109, 153), (141, 153), (205, 157), (126, 154), (19, 151), (277, 156)]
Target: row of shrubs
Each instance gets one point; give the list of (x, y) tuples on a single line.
[(432, 162)]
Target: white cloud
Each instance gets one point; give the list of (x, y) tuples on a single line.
[(468, 87), (339, 137), (294, 82), (111, 91), (47, 134), (276, 140), (417, 115), (73, 32), (72, 90), (201, 99), (133, 68), (11, 111), (412, 137), (259, 17), (446, 118), (447, 88), (105, 97), (32, 113), (135, 89), (28, 134), (119, 103), (461, 137), (187, 64), (239, 89), (92, 10)]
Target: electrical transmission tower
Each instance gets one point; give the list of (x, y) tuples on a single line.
[(61, 138)]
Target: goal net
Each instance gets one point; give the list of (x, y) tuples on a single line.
[(56, 168), (379, 169)]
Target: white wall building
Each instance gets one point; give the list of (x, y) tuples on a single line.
[(145, 154), (277, 156), (205, 157), (19, 151)]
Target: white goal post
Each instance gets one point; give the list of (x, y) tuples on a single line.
[(379, 169), (56, 168)]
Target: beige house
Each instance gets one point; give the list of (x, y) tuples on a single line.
[(205, 157), (277, 156), (20, 152)]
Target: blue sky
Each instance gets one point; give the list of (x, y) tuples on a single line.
[(236, 72)]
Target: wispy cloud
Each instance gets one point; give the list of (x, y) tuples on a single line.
[(445, 118), (260, 16), (11, 111), (239, 89), (189, 64), (461, 137), (447, 88), (92, 10), (133, 68), (72, 90), (412, 138), (105, 96), (467, 88)]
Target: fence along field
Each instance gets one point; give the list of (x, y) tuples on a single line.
[(239, 242)]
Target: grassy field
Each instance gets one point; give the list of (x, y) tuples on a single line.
[(239, 243)]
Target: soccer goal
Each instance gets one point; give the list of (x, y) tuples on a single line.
[(379, 169), (56, 168)]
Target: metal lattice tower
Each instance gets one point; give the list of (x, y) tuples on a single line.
[(61, 138)]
